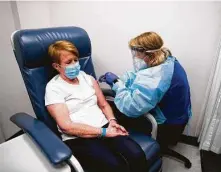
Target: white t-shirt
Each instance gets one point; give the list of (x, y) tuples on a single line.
[(81, 100)]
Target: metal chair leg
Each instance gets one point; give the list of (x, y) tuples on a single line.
[(172, 153)]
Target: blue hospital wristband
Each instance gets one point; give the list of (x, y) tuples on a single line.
[(104, 131)]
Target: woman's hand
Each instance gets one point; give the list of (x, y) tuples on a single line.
[(113, 132), (113, 123), (115, 129)]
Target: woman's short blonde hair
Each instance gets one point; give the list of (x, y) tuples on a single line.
[(54, 50), (151, 41)]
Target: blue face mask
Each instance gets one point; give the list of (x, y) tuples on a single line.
[(139, 64), (72, 70)]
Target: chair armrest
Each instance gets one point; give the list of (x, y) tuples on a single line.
[(55, 150), (154, 124)]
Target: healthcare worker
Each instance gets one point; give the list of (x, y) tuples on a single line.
[(157, 85)]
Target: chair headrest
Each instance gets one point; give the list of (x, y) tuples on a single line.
[(33, 44)]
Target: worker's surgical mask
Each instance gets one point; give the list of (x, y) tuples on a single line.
[(140, 52), (139, 64), (72, 70)]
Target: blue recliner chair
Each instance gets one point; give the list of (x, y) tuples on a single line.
[(30, 49)]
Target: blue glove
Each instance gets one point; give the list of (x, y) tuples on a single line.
[(109, 78)]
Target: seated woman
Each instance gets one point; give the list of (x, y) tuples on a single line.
[(85, 119)]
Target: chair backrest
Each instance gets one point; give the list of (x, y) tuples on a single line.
[(31, 51)]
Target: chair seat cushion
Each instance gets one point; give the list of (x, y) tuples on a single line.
[(150, 146), (156, 167)]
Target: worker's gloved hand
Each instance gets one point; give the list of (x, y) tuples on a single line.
[(109, 77)]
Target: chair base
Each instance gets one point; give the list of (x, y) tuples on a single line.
[(172, 153)]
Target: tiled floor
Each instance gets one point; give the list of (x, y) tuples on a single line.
[(191, 152)]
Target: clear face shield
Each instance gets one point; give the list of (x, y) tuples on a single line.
[(139, 55)]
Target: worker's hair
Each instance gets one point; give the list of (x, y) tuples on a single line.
[(54, 50), (151, 41)]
